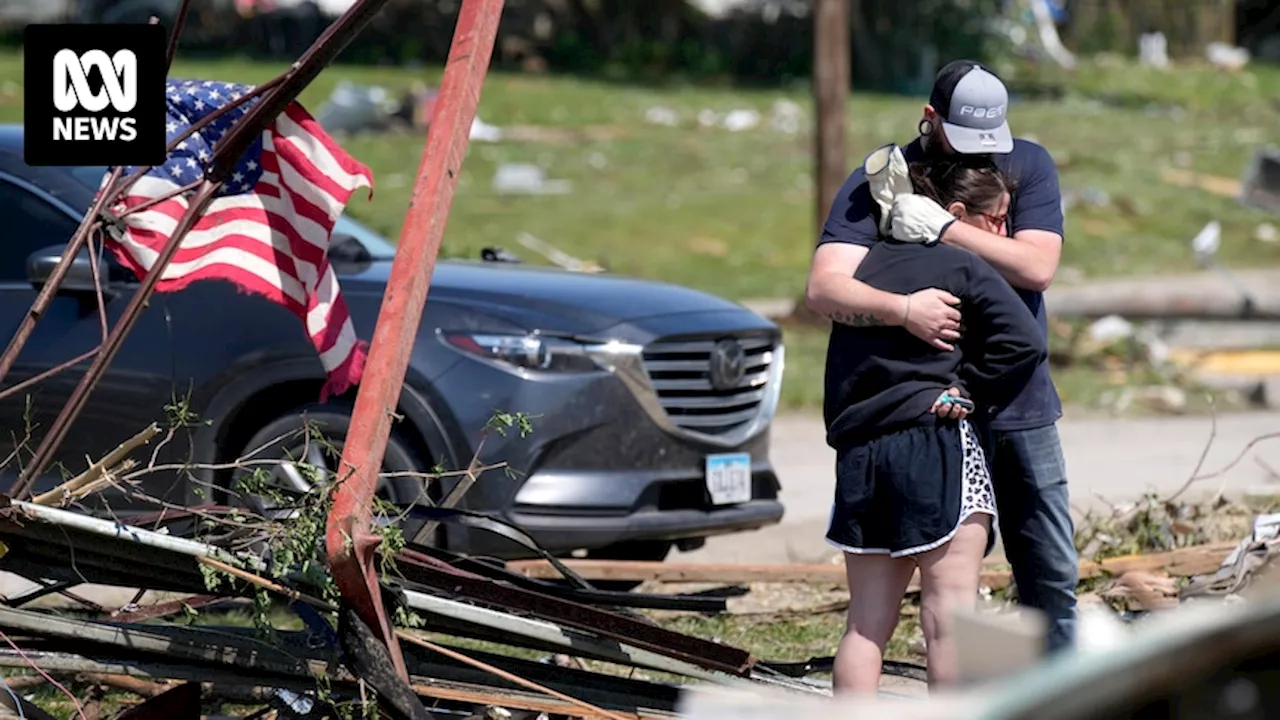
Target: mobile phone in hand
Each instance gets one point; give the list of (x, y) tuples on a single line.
[(962, 402)]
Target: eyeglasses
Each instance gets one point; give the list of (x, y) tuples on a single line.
[(996, 220)]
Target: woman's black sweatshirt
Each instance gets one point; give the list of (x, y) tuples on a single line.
[(879, 379)]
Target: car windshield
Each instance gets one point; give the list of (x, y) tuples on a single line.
[(379, 248)]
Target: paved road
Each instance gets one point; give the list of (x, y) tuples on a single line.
[(1115, 459)]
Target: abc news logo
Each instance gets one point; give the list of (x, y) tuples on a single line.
[(94, 94), (71, 92)]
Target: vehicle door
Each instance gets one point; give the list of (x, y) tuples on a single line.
[(139, 382)]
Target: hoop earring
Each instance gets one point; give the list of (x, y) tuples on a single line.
[(925, 127)]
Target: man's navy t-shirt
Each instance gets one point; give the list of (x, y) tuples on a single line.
[(1036, 205)]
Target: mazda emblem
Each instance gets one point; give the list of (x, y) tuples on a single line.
[(728, 365)]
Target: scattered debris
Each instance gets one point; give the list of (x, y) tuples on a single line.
[(1267, 233), (1262, 180), (662, 116), (1161, 398), (1182, 561), (527, 179), (1207, 242), (1137, 590), (1089, 196), (353, 108), (1108, 330), (739, 120), (1214, 184), (557, 256), (1226, 57), (785, 116), (1153, 50)]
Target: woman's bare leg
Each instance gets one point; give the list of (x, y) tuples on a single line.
[(949, 578), (876, 586)]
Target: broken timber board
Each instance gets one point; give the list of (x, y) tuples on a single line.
[(1212, 184), (1183, 562)]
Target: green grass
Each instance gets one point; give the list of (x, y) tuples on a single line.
[(732, 212)]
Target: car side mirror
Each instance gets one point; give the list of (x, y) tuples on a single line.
[(79, 277)]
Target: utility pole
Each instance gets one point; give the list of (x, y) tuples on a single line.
[(831, 60)]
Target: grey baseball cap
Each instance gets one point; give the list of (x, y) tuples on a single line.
[(973, 104)]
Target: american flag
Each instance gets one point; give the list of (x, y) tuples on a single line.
[(267, 230)]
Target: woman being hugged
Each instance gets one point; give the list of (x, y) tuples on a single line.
[(913, 487)]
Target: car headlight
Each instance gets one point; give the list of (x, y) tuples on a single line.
[(528, 352)]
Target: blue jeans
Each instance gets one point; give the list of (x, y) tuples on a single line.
[(1030, 478)]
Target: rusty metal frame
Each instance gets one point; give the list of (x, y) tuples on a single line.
[(273, 97), (610, 625), (349, 539)]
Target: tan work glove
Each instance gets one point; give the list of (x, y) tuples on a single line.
[(888, 178), (916, 218)]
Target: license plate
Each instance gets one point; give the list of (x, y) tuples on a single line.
[(729, 478)]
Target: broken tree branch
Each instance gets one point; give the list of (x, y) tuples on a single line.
[(267, 584), (63, 492), (1204, 453)]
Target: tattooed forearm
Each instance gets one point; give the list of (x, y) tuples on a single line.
[(856, 319)]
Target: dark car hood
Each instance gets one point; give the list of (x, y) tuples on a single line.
[(544, 297)]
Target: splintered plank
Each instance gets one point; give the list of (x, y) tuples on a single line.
[(1184, 562)]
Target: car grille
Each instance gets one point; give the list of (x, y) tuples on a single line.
[(695, 396)]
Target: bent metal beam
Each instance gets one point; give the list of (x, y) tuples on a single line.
[(349, 539)]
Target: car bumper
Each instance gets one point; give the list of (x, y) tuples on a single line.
[(667, 507), (561, 533)]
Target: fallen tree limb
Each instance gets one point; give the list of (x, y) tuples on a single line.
[(128, 683), (1183, 562), (68, 489)]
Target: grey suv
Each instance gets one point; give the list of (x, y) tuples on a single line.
[(650, 403)]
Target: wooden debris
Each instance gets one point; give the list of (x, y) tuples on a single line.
[(1213, 184), (591, 711), (1140, 590), (517, 701), (1183, 562), (94, 475), (130, 684)]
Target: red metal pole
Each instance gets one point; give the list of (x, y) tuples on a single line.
[(349, 540)]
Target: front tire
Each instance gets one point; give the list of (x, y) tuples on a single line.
[(289, 443)]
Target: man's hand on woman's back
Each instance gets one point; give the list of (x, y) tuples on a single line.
[(932, 316)]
